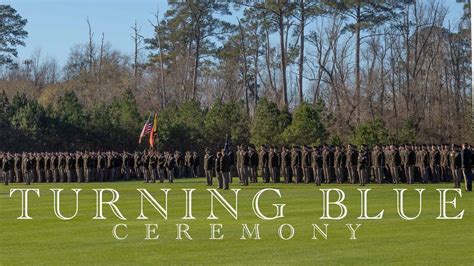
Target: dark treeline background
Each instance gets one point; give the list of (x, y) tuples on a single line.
[(294, 72)]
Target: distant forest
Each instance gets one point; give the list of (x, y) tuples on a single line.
[(259, 72)]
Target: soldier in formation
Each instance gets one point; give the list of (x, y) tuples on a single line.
[(318, 164), (90, 166)]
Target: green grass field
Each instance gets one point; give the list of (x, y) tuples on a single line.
[(47, 240)]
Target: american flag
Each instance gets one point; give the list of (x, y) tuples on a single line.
[(146, 129)]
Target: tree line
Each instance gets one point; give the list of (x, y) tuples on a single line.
[(294, 72)]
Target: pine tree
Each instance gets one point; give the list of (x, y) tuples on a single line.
[(70, 111), (226, 119), (12, 34), (268, 124), (189, 26), (371, 133), (306, 127)]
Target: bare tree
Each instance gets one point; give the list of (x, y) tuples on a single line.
[(90, 47), (243, 50), (137, 39)]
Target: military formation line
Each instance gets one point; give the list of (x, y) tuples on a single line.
[(96, 166), (318, 164)]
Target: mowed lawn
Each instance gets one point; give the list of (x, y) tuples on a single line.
[(47, 240)]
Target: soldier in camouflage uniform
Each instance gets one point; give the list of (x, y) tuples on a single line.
[(47, 167), (88, 166), (424, 164), (351, 163), (62, 167), (435, 160), (152, 167), (394, 162), (410, 164), (239, 163), (161, 167), (275, 164), (30, 165), (245, 165), (70, 164), (317, 165), (444, 163), (209, 164), (253, 165), (79, 167), (195, 165), (224, 162), (363, 164), (339, 164), (136, 165), (285, 156), (7, 167), (101, 166), (179, 164), (296, 163), (456, 165), (328, 164), (39, 167), (187, 172), (126, 165), (170, 167), (263, 162), (306, 164), (17, 161)]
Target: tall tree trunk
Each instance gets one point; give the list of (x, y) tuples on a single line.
[(196, 63), (267, 59), (101, 59), (90, 47), (188, 69), (281, 27), (392, 85), (255, 83), (357, 61), (407, 69), (382, 84), (162, 72), (301, 59), (244, 57), (135, 51)]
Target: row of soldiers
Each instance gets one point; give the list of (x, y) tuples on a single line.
[(326, 164), (156, 165), (318, 164), (97, 166)]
